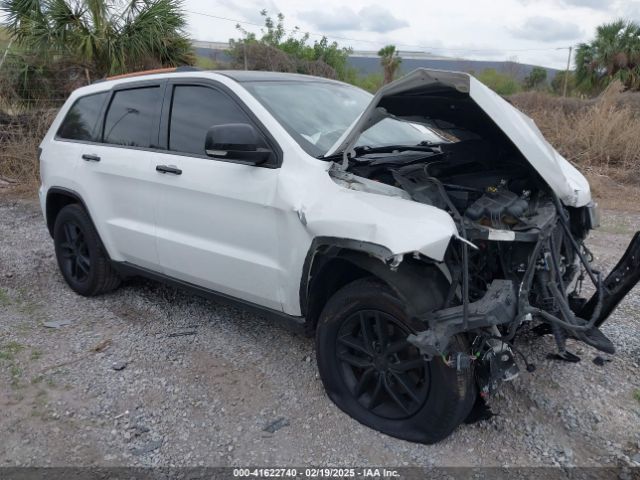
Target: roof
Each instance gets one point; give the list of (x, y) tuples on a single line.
[(239, 76), (261, 76), (153, 71)]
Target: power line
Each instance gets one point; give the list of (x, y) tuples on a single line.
[(335, 37)]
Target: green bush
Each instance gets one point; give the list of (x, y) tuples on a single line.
[(277, 50), (371, 82), (499, 82)]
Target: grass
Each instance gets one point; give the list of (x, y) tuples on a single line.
[(16, 374), (20, 136), (613, 194), (4, 298), (599, 136), (23, 304), (9, 357), (206, 63), (10, 350), (636, 394)]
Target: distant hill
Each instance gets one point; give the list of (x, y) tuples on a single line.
[(368, 65), (368, 62)]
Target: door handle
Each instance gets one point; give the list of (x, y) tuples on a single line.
[(89, 157), (168, 169)]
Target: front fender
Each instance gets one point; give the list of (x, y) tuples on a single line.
[(400, 226)]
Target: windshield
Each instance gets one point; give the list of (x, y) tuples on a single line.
[(316, 114)]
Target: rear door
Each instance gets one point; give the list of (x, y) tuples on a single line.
[(216, 219), (117, 175), (77, 132)]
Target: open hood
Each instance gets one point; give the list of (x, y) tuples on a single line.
[(459, 99)]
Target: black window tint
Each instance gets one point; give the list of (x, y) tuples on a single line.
[(194, 110), (82, 118), (131, 118)]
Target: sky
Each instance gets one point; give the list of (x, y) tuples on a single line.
[(528, 31)]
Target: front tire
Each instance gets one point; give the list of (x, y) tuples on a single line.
[(373, 374), (82, 260)]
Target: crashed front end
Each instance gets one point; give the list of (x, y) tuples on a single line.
[(521, 211), (534, 276)]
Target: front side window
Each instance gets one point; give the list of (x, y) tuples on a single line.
[(131, 117), (194, 110), (81, 120)]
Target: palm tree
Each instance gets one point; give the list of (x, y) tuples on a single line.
[(613, 55), (390, 62), (103, 37)]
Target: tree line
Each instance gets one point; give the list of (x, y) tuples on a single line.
[(58, 45)]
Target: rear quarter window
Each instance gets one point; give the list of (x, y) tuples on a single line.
[(81, 120)]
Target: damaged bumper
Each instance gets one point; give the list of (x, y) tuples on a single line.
[(500, 306), (497, 307)]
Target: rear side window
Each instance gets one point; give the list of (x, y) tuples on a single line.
[(194, 110), (82, 119), (131, 118)]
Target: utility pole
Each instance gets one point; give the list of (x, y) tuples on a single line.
[(566, 73), (244, 49)]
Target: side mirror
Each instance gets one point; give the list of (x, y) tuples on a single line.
[(236, 142)]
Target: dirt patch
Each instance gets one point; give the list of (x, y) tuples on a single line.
[(184, 381)]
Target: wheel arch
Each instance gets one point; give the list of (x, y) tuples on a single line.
[(58, 198), (332, 262)]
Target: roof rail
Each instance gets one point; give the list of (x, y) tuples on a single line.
[(183, 68)]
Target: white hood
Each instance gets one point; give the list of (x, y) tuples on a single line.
[(416, 93)]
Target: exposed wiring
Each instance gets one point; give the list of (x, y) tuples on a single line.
[(465, 248)]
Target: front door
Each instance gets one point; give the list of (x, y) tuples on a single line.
[(216, 220)]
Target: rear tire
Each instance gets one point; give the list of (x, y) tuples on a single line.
[(81, 257), (388, 385)]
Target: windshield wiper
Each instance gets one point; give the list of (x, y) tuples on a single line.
[(421, 147), (366, 149)]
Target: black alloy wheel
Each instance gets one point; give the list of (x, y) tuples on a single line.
[(385, 373), (82, 259), (371, 372), (76, 261)]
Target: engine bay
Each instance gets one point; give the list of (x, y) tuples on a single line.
[(491, 190)]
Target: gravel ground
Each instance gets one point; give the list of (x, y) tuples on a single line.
[(149, 375)]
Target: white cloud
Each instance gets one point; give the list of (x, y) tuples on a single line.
[(379, 19), (336, 20), (595, 4), (545, 29), (630, 10), (249, 10), (371, 18)]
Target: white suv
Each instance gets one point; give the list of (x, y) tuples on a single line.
[(414, 231)]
